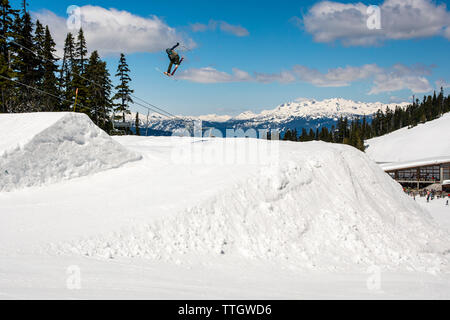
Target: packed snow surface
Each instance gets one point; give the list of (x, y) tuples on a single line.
[(428, 140), (40, 148), (319, 206)]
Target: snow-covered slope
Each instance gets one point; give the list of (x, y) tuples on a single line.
[(428, 140), (39, 148), (322, 207), (301, 113)]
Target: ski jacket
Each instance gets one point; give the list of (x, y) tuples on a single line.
[(173, 56)]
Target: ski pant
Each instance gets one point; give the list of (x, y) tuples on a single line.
[(169, 70), (175, 61)]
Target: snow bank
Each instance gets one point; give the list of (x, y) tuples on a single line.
[(428, 140), (323, 207), (39, 148)]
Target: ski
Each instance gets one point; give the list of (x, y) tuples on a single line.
[(166, 74), (176, 68)]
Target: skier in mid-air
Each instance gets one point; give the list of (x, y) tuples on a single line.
[(174, 60)]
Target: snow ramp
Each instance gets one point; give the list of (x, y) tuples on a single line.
[(322, 206), (41, 148)]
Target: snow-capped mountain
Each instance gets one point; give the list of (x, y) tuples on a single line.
[(302, 113), (328, 108)]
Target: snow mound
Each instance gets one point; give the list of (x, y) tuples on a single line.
[(428, 140), (40, 148), (322, 207)]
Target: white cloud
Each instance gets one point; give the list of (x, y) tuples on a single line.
[(111, 31), (240, 75), (400, 19), (199, 27), (338, 77), (395, 78), (282, 77), (206, 75), (236, 30), (401, 77), (447, 33), (388, 83), (211, 75)]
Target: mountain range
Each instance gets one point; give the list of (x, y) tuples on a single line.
[(302, 113)]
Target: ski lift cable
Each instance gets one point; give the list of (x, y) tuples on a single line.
[(171, 115), (141, 105), (168, 114)]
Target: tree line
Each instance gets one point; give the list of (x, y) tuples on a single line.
[(34, 79), (354, 131)]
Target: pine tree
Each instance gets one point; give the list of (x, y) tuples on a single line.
[(98, 103), (123, 89), (440, 103), (340, 130), (287, 135), (303, 136), (333, 134), (364, 133), (78, 83), (49, 80), (138, 129), (311, 135), (39, 39), (295, 135), (25, 61), (81, 51), (79, 75), (25, 64), (7, 16), (66, 71)]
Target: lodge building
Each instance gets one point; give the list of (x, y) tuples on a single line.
[(421, 173)]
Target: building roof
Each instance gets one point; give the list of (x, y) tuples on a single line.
[(415, 163)]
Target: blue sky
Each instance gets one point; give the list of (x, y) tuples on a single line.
[(255, 55)]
